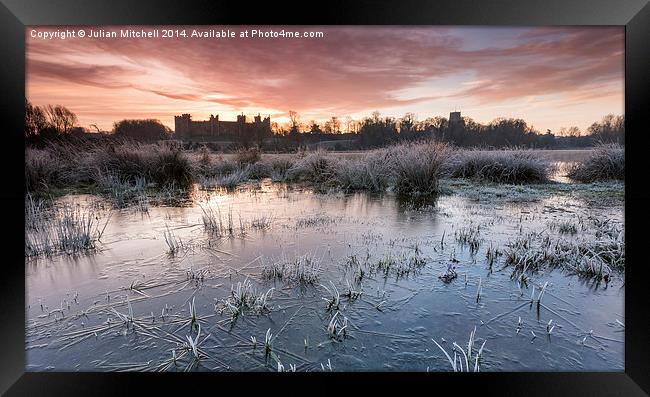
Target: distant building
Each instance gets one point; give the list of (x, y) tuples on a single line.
[(455, 119), (185, 127)]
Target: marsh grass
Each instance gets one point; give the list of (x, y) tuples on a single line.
[(370, 173), (302, 270), (466, 357), (595, 259), (564, 227), (416, 168), (501, 166), (334, 301), (69, 229), (234, 179), (607, 162), (262, 222), (412, 169), (248, 156), (171, 166), (42, 170), (280, 167), (315, 167), (174, 244), (469, 236), (337, 327), (123, 193), (223, 224), (106, 166), (244, 299), (215, 223), (314, 221), (404, 264)]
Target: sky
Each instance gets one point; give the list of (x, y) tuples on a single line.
[(552, 77)]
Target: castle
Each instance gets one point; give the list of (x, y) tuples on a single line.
[(456, 119), (185, 127)]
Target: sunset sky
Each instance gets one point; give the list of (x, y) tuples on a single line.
[(552, 76)]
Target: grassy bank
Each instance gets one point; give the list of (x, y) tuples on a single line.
[(128, 171)]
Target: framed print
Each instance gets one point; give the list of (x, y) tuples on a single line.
[(372, 193)]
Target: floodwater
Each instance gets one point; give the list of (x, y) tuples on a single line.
[(390, 326)]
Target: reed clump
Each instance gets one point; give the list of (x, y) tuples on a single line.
[(607, 162)]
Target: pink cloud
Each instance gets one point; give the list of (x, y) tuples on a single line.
[(351, 70)]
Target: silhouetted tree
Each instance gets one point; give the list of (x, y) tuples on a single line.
[(148, 129), (333, 126), (376, 131), (315, 128), (407, 123), (35, 120), (294, 120), (60, 118), (610, 129)]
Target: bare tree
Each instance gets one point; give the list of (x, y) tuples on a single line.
[(294, 119), (335, 124), (574, 132), (314, 128), (35, 120), (327, 127), (407, 123), (60, 118), (348, 124)]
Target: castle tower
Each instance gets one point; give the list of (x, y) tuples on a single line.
[(267, 124), (182, 125), (241, 123), (214, 125), (455, 118)]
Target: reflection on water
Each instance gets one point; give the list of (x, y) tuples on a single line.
[(390, 326)]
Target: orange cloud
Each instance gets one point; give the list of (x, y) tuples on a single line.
[(352, 70)]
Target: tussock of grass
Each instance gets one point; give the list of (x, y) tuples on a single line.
[(170, 166), (401, 265), (501, 166), (174, 244), (234, 179), (280, 167), (262, 222), (42, 169), (469, 236), (416, 168), (370, 173), (67, 165), (244, 299), (316, 167), (248, 156), (606, 163), (67, 230), (217, 223), (123, 193), (302, 270), (337, 327), (592, 259), (259, 170)]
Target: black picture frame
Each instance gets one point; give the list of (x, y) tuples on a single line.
[(633, 14)]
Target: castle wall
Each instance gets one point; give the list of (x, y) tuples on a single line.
[(185, 127)]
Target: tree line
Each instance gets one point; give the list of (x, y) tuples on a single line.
[(56, 121), (377, 131)]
